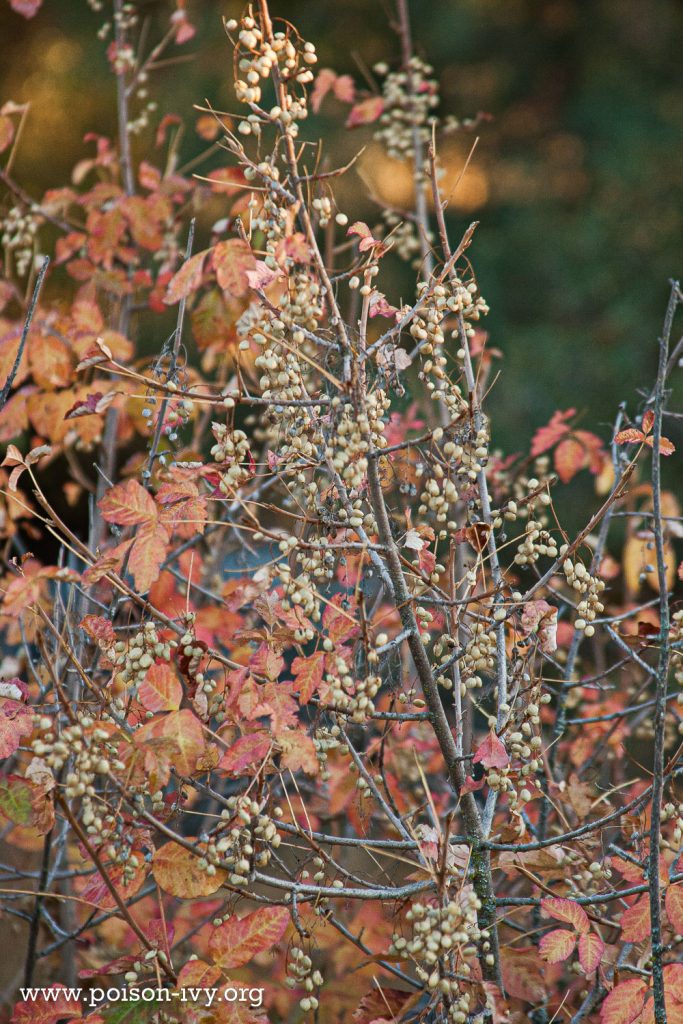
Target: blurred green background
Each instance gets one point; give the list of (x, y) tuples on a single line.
[(577, 178)]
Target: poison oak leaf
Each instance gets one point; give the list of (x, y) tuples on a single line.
[(187, 279), (232, 261), (238, 940), (245, 752), (569, 458), (50, 1009), (161, 689), (16, 723), (548, 436), (491, 753), (567, 910), (308, 675), (177, 871), (635, 922), (558, 945), (624, 1003), (591, 948)]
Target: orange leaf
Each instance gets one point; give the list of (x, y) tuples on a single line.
[(308, 673), (177, 871), (238, 940), (185, 730), (187, 279), (629, 436), (128, 504), (244, 752), (569, 911), (160, 690), (624, 1002), (45, 1009), (635, 922), (570, 456), (147, 555), (557, 945), (591, 948), (232, 260), (648, 421)]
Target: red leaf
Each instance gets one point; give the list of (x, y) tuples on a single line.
[(557, 945), (591, 948), (187, 279), (238, 940), (629, 436), (16, 722), (385, 1005), (648, 421), (244, 752), (232, 260), (548, 436), (491, 753), (161, 689), (338, 621), (569, 911), (624, 1002), (44, 1010), (635, 922), (128, 504), (666, 447), (308, 674), (570, 456), (365, 112)]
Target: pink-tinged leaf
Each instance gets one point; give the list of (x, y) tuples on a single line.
[(128, 504), (232, 260), (673, 982), (338, 621), (673, 901), (548, 436), (591, 948), (648, 421), (297, 752), (148, 554), (261, 276), (624, 1002), (238, 940), (99, 629), (635, 922), (492, 753), (47, 1010), (567, 910), (16, 722), (570, 456), (246, 752), (557, 946), (629, 436), (187, 279), (308, 675), (365, 112), (361, 229), (28, 8), (666, 447), (92, 405), (161, 689)]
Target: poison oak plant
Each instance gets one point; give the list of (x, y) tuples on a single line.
[(309, 688)]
